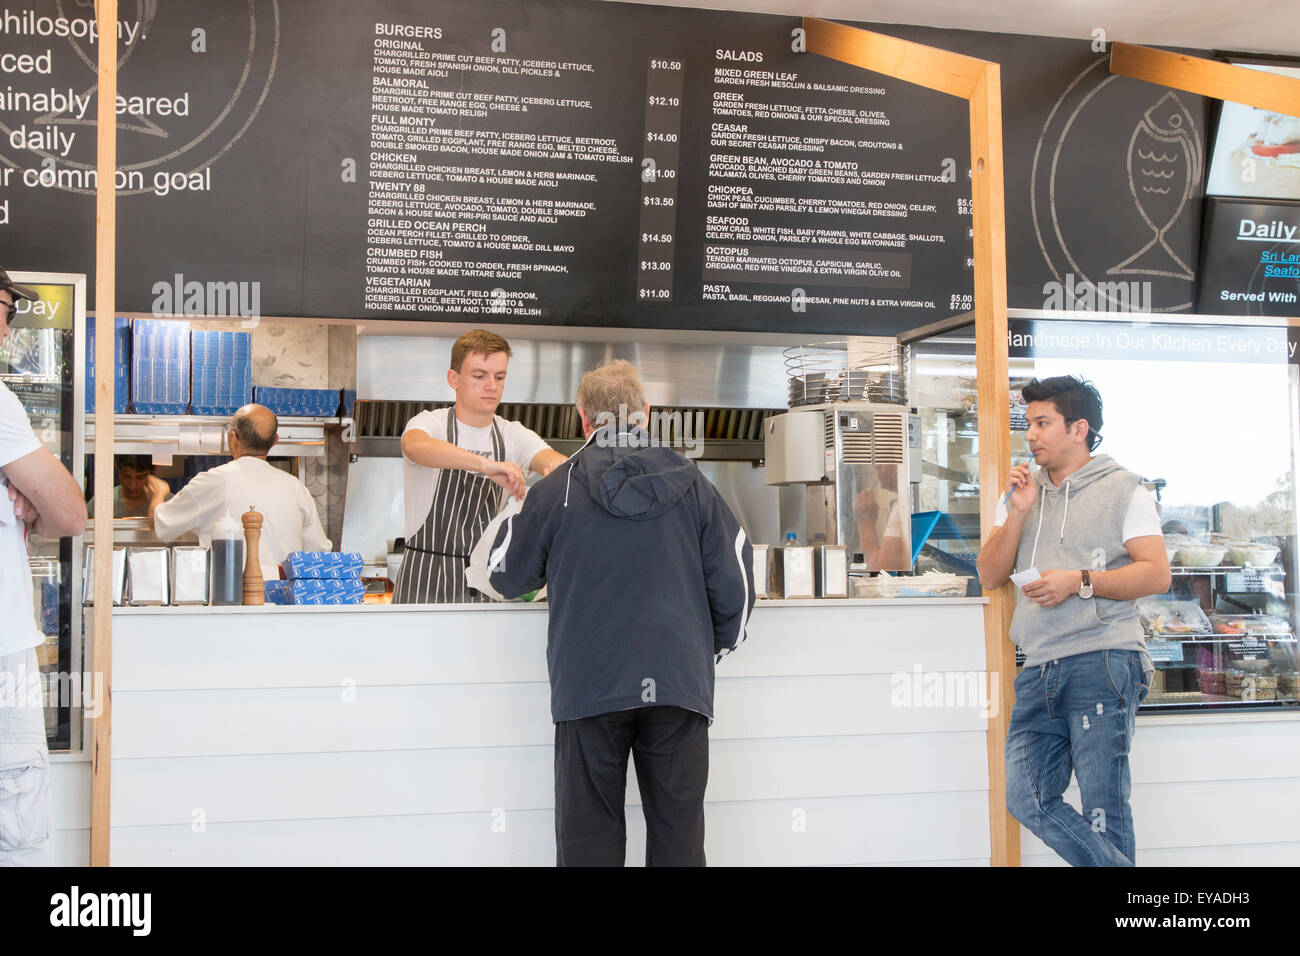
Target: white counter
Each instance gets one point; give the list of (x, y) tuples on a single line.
[(414, 735), (517, 606)]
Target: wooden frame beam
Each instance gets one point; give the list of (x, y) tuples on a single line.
[(993, 391), (1223, 81), (979, 82), (927, 66), (105, 290)]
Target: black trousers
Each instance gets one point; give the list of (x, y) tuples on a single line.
[(671, 748)]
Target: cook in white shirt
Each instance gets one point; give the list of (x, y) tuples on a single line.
[(289, 518)]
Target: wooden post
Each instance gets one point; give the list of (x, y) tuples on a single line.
[(979, 82), (993, 390), (105, 268)]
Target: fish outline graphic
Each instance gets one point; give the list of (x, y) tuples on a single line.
[(1164, 169), (1065, 236)]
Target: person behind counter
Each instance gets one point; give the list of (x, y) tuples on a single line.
[(137, 483), (648, 578), (37, 494), (1097, 533), (458, 464), (289, 518)]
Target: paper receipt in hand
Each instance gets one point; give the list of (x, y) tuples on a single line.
[(1021, 578)]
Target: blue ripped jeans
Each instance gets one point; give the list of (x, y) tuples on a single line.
[(1076, 715)]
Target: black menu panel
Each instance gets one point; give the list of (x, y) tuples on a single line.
[(515, 161), (1251, 262), (600, 164)]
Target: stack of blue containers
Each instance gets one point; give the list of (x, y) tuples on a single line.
[(121, 365), (160, 367), (307, 402), (277, 592), (222, 371), (319, 577)]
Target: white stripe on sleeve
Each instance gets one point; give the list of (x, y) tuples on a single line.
[(744, 593)]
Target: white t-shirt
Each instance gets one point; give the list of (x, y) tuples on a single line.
[(1141, 518), (522, 445), (18, 630), (289, 518)]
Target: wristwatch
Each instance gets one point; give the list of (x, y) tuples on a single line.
[(1085, 589)]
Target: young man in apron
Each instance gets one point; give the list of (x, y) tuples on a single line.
[(459, 464)]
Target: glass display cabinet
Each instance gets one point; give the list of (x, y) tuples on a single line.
[(40, 363), (1207, 410)]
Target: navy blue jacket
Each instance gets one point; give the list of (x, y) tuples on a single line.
[(648, 576)]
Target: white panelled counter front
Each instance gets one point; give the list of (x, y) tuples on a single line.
[(422, 735)]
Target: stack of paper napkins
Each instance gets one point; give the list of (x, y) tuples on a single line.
[(930, 584), (322, 577)]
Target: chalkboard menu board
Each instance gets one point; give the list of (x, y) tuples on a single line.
[(565, 162)]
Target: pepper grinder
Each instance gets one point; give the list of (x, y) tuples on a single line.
[(254, 588)]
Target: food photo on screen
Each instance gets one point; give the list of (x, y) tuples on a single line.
[(1256, 152)]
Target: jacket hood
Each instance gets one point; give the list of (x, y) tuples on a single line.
[(630, 481), (1097, 467)]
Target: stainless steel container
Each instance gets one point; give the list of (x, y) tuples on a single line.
[(831, 570), (88, 576), (189, 575), (147, 576), (792, 573), (761, 571), (857, 462)]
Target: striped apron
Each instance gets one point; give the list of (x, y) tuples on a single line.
[(434, 563)]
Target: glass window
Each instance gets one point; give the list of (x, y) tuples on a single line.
[(1208, 416)]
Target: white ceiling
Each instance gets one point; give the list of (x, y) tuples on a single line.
[(1260, 26)]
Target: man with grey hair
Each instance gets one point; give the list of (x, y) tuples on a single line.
[(648, 578), (615, 391), (290, 521)]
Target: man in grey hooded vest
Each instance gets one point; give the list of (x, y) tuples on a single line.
[(1094, 532)]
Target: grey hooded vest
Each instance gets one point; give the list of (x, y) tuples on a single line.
[(1076, 526)]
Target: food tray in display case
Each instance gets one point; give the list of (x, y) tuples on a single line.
[(1167, 618), (1179, 569), (1198, 556), (1255, 625), (1252, 554)]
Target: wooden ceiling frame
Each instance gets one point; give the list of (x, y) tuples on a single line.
[(979, 82), (1194, 74)]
